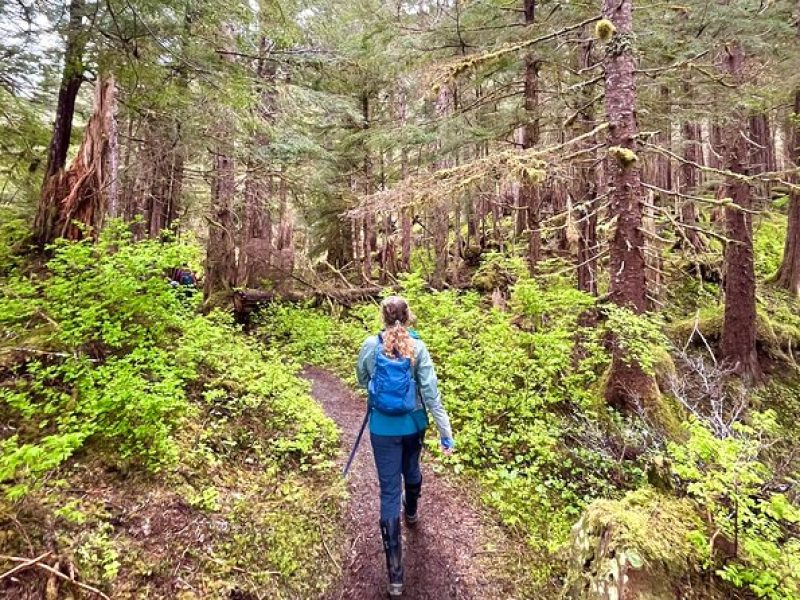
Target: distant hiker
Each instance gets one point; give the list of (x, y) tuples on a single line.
[(396, 369), (183, 276)]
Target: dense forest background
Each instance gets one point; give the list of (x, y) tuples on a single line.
[(593, 210)]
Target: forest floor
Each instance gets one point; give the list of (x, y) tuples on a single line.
[(453, 552)]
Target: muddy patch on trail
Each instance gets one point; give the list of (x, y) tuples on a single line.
[(442, 555)]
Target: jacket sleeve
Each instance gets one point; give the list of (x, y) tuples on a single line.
[(427, 384), (366, 359)]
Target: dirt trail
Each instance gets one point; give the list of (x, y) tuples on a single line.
[(442, 555)]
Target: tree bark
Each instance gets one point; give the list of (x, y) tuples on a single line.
[(220, 271), (628, 385), (788, 275), (78, 197), (370, 235), (285, 238), (585, 191), (530, 195), (406, 214), (715, 146), (441, 214), (161, 162), (111, 157), (689, 182), (739, 321), (255, 252), (71, 80)]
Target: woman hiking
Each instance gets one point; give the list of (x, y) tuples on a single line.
[(397, 371)]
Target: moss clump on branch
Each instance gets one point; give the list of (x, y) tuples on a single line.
[(604, 30), (625, 156)]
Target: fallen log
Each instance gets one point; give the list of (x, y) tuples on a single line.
[(247, 301)]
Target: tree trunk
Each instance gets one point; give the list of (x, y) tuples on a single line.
[(285, 237), (690, 181), (788, 275), (255, 252), (406, 214), (585, 191), (530, 195), (113, 205), (715, 146), (80, 195), (161, 163), (441, 214), (71, 79), (662, 173), (220, 271), (355, 241), (762, 154), (370, 235), (628, 384), (739, 322)]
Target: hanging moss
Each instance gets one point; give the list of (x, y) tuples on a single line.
[(604, 30)]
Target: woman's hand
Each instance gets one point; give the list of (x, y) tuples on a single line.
[(448, 445)]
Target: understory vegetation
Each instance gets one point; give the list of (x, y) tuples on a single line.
[(154, 449), (139, 435), (524, 388)]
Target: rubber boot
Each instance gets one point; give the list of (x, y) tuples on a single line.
[(392, 546), (410, 502)]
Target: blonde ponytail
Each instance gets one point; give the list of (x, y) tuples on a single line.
[(396, 317)]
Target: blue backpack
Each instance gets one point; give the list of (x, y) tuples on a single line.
[(187, 277), (392, 389)]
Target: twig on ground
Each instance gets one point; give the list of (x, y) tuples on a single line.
[(37, 563), (325, 545), (22, 566)]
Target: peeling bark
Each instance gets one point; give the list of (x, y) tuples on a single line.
[(79, 196)]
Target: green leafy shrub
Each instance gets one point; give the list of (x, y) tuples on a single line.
[(104, 351), (748, 540), (14, 231), (640, 338)]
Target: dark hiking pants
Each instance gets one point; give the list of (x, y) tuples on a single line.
[(396, 459)]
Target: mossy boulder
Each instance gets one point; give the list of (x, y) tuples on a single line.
[(636, 548)]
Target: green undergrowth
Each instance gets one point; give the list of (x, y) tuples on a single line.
[(524, 390), (525, 404), (144, 444)]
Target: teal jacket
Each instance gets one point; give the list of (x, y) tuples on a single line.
[(427, 395)]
